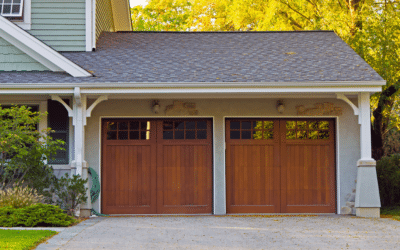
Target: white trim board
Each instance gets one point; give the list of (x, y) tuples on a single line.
[(38, 50), (117, 85), (189, 90)]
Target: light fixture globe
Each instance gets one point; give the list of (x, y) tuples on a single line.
[(280, 106), (156, 106)]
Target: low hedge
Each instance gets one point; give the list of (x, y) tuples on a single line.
[(38, 215)]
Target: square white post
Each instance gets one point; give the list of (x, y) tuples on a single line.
[(79, 164), (367, 200)]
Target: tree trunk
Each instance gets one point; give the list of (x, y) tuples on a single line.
[(380, 123)]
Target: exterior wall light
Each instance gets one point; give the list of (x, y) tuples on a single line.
[(280, 106), (156, 106)]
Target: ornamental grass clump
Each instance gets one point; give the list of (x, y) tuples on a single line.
[(18, 196)]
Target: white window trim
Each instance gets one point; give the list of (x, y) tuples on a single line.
[(26, 23)]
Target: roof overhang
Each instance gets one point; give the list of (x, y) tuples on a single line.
[(205, 89), (38, 50), (192, 85)]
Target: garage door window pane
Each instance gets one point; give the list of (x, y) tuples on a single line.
[(190, 125), (190, 134), (235, 125), (257, 135), (134, 125), (246, 134), (202, 134), (111, 135), (123, 126), (134, 135), (268, 135), (168, 135), (179, 125), (235, 134), (123, 135), (179, 135), (202, 125), (246, 125)]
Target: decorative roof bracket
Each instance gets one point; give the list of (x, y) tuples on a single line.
[(68, 108), (354, 107)]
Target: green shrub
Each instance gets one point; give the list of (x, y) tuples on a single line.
[(70, 192), (18, 196), (24, 149), (388, 171), (37, 215)]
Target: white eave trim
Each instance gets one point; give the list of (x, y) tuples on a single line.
[(193, 90), (38, 50), (288, 85)]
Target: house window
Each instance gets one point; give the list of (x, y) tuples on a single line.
[(58, 121), (11, 8), (17, 11)]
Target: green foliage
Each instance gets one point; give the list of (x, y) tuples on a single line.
[(388, 171), (70, 192), (25, 149), (23, 239), (37, 215), (164, 15), (370, 27), (19, 196)]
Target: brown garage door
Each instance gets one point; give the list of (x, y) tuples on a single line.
[(156, 166), (280, 166)]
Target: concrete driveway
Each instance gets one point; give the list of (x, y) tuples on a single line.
[(229, 232)]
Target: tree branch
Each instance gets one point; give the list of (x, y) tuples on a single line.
[(290, 7)]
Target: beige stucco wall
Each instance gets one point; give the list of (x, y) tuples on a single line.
[(348, 148)]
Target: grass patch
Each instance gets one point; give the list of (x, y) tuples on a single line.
[(391, 212), (23, 239)]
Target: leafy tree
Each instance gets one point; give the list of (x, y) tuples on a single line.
[(24, 149), (370, 27), (164, 15)]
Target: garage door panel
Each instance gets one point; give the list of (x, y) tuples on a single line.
[(127, 181), (186, 183), (280, 165), (252, 175), (308, 166), (252, 147), (308, 175)]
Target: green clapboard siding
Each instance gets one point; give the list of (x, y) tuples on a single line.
[(13, 59), (59, 23), (104, 17)]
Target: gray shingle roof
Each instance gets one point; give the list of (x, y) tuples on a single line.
[(212, 57)]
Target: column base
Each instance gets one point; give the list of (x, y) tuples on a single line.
[(85, 213), (368, 212)]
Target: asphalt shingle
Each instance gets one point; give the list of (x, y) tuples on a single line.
[(212, 57)]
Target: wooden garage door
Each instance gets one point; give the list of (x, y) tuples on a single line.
[(156, 166), (280, 166)]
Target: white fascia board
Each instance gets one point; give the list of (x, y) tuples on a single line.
[(89, 24), (38, 50), (288, 85), (100, 91), (227, 90)]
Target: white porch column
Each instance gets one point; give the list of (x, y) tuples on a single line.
[(79, 164), (79, 114), (367, 201)]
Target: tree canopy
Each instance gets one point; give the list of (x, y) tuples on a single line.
[(370, 27)]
